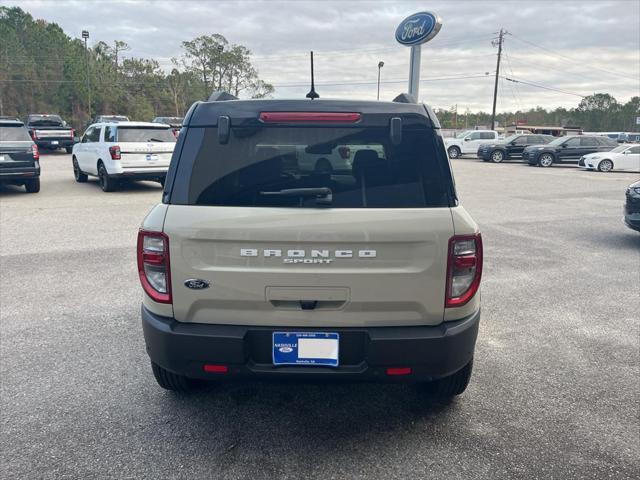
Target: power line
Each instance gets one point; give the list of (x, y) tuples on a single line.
[(524, 82), (577, 62)]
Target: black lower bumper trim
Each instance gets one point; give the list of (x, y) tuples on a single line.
[(140, 175), (365, 353)]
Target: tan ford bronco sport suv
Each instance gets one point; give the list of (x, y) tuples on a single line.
[(310, 239)]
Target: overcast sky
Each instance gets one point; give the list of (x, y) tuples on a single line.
[(579, 47)]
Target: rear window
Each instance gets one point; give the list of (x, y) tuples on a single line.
[(14, 133), (45, 121), (319, 167), (145, 134)]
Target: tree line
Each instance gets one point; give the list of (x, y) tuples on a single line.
[(43, 70), (599, 112)]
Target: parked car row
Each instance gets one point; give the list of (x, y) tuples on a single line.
[(594, 152)]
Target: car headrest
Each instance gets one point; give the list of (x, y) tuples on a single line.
[(367, 160)]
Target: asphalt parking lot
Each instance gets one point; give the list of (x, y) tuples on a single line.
[(555, 391)]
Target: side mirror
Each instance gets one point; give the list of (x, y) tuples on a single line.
[(224, 129), (466, 139)]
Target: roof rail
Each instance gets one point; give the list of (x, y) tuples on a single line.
[(221, 96), (404, 98)]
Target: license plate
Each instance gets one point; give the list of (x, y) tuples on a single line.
[(152, 157), (54, 142), (306, 348)]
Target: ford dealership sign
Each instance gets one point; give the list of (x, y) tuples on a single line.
[(418, 28)]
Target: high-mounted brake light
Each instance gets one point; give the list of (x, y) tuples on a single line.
[(464, 269), (115, 152), (153, 265), (35, 152), (309, 117)]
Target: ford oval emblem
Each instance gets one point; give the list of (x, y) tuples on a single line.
[(285, 349), (418, 28), (196, 284)]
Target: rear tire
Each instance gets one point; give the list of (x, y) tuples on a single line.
[(107, 183), (497, 156), (33, 185), (171, 381), (605, 165), (545, 160), (454, 152), (452, 385), (68, 149), (78, 174)]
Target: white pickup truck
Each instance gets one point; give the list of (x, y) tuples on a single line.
[(468, 142)]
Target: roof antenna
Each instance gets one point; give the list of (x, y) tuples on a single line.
[(312, 93)]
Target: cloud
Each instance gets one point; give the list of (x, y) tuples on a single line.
[(588, 46)]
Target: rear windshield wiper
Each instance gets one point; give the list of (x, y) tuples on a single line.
[(324, 195), (155, 140)]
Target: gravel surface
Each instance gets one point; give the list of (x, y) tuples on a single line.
[(555, 391)]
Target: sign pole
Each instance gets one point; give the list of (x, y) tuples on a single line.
[(414, 71), (412, 32)]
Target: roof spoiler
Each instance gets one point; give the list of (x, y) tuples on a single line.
[(221, 96), (404, 98)]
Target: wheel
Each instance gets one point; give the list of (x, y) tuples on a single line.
[(323, 167), (33, 185), (452, 385), (68, 149), (454, 152), (161, 181), (78, 174), (545, 160), (497, 156), (605, 165), (107, 183), (169, 380)]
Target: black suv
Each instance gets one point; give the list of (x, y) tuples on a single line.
[(19, 157), (567, 149), (510, 148)]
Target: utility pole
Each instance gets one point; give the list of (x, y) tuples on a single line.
[(495, 87), (85, 36), (380, 65)]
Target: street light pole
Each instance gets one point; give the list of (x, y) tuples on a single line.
[(85, 36), (380, 65)]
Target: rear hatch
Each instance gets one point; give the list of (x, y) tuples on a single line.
[(282, 243), (16, 147), (145, 147)]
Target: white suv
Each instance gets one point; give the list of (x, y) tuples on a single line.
[(123, 150), (468, 142)]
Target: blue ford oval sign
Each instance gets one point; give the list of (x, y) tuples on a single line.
[(418, 28)]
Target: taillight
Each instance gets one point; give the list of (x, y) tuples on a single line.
[(35, 152), (73, 133), (464, 269), (34, 135), (153, 265), (115, 152), (344, 152), (309, 117)]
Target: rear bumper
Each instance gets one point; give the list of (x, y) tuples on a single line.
[(51, 142), (141, 175), (365, 353), (13, 174)]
